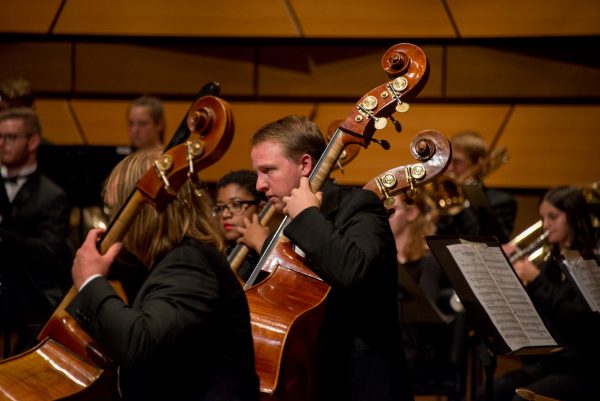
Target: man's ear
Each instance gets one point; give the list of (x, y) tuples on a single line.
[(306, 165), (34, 142)]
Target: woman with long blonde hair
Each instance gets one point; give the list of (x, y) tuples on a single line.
[(186, 335)]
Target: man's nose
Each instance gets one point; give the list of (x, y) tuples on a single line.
[(261, 185)]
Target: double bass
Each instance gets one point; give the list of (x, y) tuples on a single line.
[(68, 363), (287, 307)]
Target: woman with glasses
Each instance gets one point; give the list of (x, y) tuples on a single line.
[(237, 206)]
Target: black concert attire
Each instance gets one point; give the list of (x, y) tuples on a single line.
[(490, 212), (571, 374), (349, 244), (35, 254), (425, 344), (186, 335), (433, 349)]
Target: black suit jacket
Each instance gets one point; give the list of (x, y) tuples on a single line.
[(350, 245), (34, 248), (186, 336)]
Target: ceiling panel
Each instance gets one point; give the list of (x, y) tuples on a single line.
[(31, 16), (122, 68), (551, 145), (488, 73), (103, 122), (515, 18), (176, 18), (373, 19), (47, 66), (58, 125)]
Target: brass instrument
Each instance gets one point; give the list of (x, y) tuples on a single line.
[(532, 243), (532, 240), (446, 193)]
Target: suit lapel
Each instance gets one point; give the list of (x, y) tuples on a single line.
[(27, 191), (5, 207)]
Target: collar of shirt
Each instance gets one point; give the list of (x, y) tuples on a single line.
[(13, 186)]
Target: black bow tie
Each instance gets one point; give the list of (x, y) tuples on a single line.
[(14, 179)]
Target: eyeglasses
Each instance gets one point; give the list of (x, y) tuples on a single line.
[(12, 137), (233, 207)]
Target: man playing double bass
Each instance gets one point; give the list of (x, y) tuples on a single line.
[(346, 239)]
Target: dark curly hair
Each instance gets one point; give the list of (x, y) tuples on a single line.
[(245, 179)]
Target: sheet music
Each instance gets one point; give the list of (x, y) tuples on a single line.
[(586, 274), (499, 291)]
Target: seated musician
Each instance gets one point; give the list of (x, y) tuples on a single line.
[(347, 241), (571, 374), (146, 123), (427, 343), (237, 206), (488, 211), (186, 335), (35, 253)]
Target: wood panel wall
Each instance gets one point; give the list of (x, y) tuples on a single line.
[(524, 76)]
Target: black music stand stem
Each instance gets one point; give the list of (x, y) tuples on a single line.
[(489, 362)]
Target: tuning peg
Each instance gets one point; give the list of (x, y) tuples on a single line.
[(402, 107), (383, 143), (380, 123), (397, 125)]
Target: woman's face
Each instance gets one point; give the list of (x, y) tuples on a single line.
[(229, 198), (555, 221)]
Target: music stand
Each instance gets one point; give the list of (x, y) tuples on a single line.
[(494, 298)]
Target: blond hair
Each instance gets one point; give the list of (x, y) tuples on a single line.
[(152, 234), (297, 134)]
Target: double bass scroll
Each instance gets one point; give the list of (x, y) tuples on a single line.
[(432, 151)]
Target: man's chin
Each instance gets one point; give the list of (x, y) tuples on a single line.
[(277, 204)]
